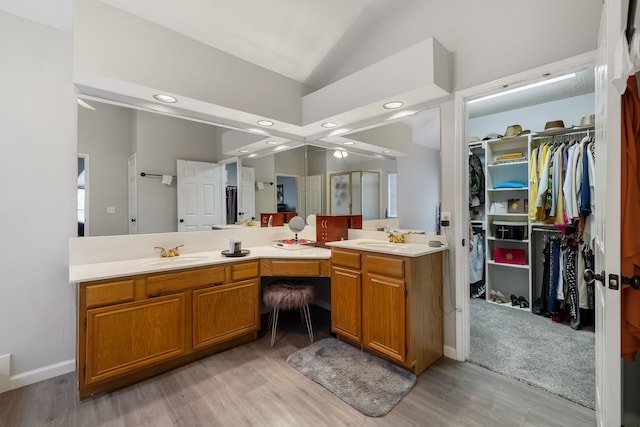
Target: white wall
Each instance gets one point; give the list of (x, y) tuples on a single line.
[(490, 39), (38, 169), (110, 43), (448, 200)]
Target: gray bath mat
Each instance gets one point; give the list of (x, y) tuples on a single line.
[(369, 384)]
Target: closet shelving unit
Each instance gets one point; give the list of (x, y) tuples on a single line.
[(507, 278)]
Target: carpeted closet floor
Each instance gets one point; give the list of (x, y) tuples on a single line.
[(535, 350)]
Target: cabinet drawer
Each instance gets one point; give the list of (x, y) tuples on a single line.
[(345, 258), (244, 270), (110, 293), (172, 282), (386, 266), (276, 267)]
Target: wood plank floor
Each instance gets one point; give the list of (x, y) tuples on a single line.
[(252, 385)]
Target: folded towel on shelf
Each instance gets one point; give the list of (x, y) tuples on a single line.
[(166, 179)]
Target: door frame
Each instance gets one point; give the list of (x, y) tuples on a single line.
[(87, 198), (461, 219)]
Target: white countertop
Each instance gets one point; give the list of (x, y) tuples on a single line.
[(382, 246), (106, 270)]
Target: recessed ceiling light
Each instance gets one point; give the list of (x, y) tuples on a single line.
[(265, 123), (340, 154), (272, 142), (393, 105), (348, 143), (329, 125), (245, 151), (386, 151), (85, 104), (252, 155), (165, 98)]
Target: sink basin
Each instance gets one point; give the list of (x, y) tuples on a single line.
[(176, 260), (382, 245)]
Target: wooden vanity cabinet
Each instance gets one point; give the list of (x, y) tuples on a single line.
[(346, 292), (127, 337), (225, 311), (135, 327), (399, 305)]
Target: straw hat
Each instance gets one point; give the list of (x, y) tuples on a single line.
[(554, 125), (473, 139), (587, 121), (513, 131)]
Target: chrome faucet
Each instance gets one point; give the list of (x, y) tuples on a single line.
[(165, 253)]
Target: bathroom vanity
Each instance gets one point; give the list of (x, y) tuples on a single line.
[(136, 325), (387, 299), (140, 317)]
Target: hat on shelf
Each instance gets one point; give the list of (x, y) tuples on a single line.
[(473, 139), (587, 121), (554, 125), (492, 136), (513, 131)]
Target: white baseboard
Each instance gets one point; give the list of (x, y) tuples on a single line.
[(450, 352), (44, 373), (5, 372)]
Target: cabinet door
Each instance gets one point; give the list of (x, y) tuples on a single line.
[(346, 308), (125, 337), (224, 312), (383, 326)]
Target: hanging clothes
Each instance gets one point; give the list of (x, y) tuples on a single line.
[(630, 227), (476, 181), (533, 182)]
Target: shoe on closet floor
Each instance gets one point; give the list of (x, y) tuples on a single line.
[(497, 296), (523, 302)]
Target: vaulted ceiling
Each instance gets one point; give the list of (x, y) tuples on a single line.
[(299, 39)]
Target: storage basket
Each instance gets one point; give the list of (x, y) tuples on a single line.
[(509, 256), (510, 230)]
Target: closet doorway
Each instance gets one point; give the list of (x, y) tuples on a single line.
[(519, 324)]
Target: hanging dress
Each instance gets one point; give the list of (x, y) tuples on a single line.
[(630, 226)]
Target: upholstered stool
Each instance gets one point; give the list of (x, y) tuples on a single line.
[(288, 295)]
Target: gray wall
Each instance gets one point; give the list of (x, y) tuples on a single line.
[(105, 135), (37, 304)]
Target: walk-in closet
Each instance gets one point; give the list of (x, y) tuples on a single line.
[(531, 178)]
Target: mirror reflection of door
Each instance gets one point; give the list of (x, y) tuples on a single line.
[(311, 187), (287, 193), (83, 194), (200, 196)]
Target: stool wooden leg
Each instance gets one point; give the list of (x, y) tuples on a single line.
[(307, 315), (274, 326)]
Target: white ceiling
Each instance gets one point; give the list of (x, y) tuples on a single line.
[(290, 37)]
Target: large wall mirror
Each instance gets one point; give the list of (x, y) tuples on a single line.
[(117, 144)]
